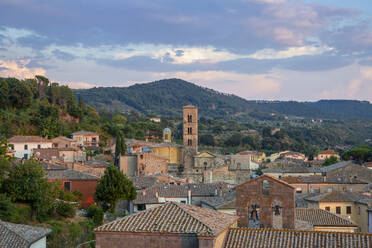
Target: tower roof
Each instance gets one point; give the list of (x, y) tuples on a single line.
[(167, 130)]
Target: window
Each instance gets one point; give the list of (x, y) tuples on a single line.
[(38, 146), (183, 201), (189, 142), (67, 186), (26, 147), (348, 210), (25, 156), (299, 190), (166, 137), (358, 210), (338, 210), (265, 187), (66, 145), (189, 130), (189, 118), (328, 209)]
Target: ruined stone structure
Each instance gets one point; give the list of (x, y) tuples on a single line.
[(266, 202)]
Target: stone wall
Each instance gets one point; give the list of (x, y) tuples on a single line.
[(354, 171), (146, 240), (128, 165), (150, 164), (262, 195)]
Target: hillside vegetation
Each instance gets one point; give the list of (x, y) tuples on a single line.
[(166, 97)]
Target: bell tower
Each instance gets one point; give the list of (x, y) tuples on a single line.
[(190, 128)]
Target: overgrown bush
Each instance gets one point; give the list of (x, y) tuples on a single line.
[(65, 209), (96, 214), (7, 208)]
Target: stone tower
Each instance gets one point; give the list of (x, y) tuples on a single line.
[(190, 128)]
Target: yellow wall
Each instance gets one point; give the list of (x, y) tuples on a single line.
[(360, 219), (173, 154), (335, 229)]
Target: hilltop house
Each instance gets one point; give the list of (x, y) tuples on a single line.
[(23, 146), (86, 138), (323, 155)]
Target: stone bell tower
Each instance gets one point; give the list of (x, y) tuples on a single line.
[(190, 128)]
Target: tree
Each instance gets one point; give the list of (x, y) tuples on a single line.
[(27, 183), (234, 140), (207, 139), (112, 187), (329, 161), (120, 146), (360, 154)]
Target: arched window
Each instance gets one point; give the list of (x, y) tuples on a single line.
[(189, 118), (189, 142), (265, 187), (189, 130)]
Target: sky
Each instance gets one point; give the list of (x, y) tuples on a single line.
[(302, 50)]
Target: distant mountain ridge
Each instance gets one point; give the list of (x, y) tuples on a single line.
[(166, 97)]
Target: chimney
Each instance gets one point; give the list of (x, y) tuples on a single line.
[(189, 196)]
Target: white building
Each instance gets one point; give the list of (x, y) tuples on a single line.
[(23, 145)]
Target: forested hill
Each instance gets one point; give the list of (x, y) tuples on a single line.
[(166, 97)]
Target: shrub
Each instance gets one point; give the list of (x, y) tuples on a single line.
[(96, 214), (7, 209), (65, 209)]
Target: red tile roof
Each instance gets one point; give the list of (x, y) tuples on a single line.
[(173, 217), (268, 238)]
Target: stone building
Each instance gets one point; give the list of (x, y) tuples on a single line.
[(266, 202), (224, 173), (190, 137), (151, 164), (86, 138), (323, 184), (354, 206), (176, 225), (64, 142)]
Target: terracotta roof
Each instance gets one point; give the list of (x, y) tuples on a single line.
[(18, 236), (226, 201), (178, 191), (24, 139), (69, 174), (323, 180), (320, 217), (338, 196), (144, 182), (251, 152), (329, 151), (189, 106), (84, 133), (62, 138), (335, 166), (173, 217), (268, 238), (270, 178), (291, 168)]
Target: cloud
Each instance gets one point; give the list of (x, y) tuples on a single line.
[(78, 85), (19, 69), (290, 52)]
